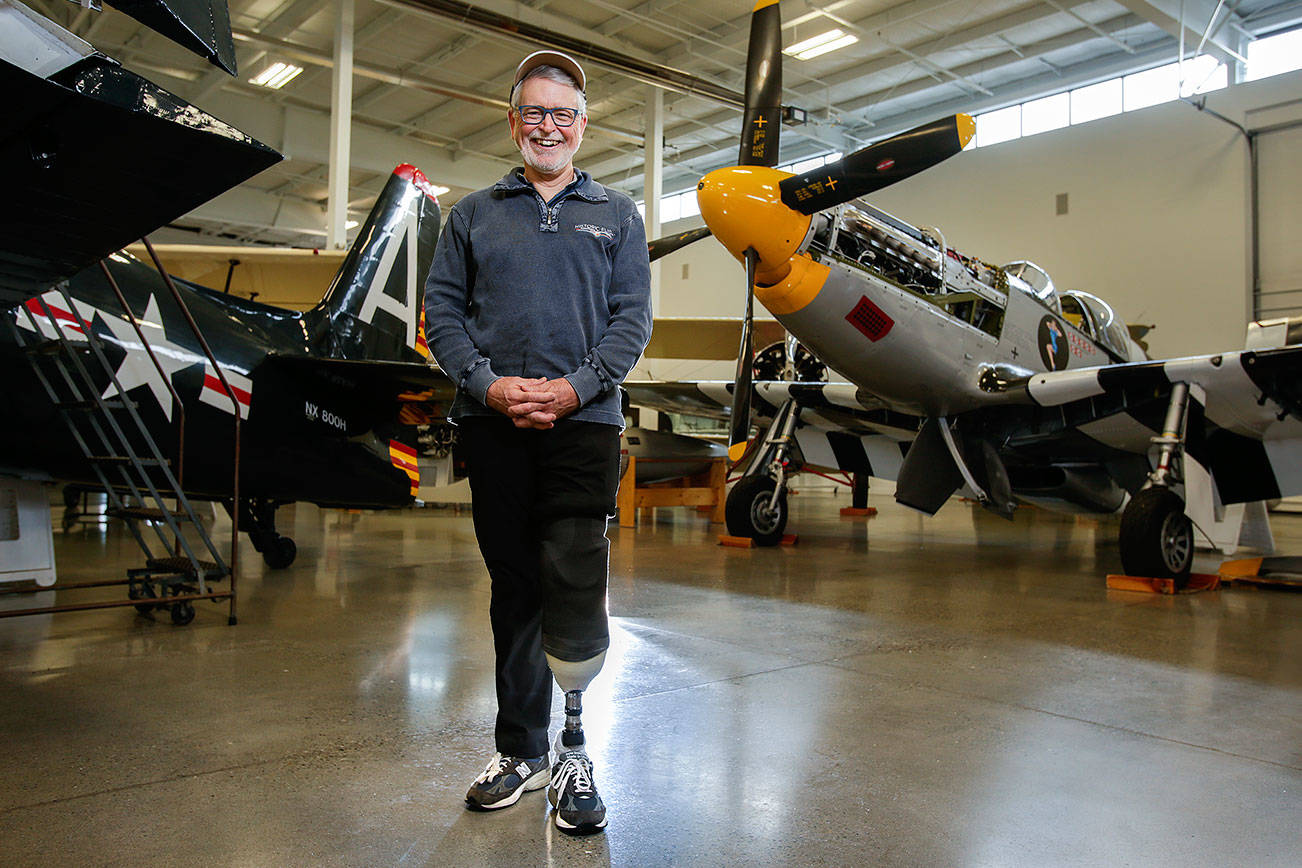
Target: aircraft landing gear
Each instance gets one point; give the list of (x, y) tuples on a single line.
[(1156, 535), (753, 511), (757, 504), (258, 520)]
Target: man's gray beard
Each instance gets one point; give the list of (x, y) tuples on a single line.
[(538, 166)]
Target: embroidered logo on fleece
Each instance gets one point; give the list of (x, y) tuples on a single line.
[(595, 231)]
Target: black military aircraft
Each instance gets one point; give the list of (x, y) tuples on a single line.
[(158, 391), (322, 392)]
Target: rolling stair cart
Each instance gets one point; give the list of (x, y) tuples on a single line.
[(127, 462)]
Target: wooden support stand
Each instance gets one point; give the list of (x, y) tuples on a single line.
[(745, 542), (705, 491), (859, 510), (1278, 572), (1144, 584)]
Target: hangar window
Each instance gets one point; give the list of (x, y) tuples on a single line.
[(1096, 101), (1274, 55), (1042, 115), (1001, 126), (1138, 90), (670, 206), (1163, 83)]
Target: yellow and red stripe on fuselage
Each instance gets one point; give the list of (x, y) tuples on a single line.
[(403, 457)]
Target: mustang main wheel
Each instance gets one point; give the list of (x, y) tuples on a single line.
[(749, 513), (1157, 537)]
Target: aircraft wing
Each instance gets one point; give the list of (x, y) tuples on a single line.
[(95, 157), (834, 406), (1245, 423), (841, 426), (203, 26)]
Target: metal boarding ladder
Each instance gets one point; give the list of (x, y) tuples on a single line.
[(128, 464)]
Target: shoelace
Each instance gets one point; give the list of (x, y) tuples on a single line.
[(577, 768), (496, 766)]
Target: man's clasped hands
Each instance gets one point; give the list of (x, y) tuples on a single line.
[(533, 403)]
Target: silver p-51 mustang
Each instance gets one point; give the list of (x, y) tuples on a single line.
[(962, 374)]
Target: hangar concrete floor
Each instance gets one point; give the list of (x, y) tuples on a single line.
[(893, 691)]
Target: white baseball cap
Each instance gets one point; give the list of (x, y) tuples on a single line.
[(551, 58)]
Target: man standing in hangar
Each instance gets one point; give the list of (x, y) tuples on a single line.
[(537, 306)]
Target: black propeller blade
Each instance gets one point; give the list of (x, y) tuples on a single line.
[(763, 118), (664, 246), (878, 165), (739, 418)]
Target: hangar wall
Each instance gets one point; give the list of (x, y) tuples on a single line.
[(1157, 222)]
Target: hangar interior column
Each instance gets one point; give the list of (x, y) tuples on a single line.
[(341, 106), (653, 178)]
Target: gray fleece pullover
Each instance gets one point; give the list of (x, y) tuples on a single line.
[(526, 288)]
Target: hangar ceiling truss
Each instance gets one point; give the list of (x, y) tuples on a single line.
[(431, 79)]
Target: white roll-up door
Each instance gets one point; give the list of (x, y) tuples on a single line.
[(1279, 168)]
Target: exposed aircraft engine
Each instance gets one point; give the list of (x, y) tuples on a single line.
[(771, 364), (916, 260)]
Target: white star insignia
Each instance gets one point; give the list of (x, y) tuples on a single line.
[(136, 368)]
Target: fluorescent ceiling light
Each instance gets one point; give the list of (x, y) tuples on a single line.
[(821, 44), (439, 190), (351, 224), (276, 76)]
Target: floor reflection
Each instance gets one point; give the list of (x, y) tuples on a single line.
[(894, 690)]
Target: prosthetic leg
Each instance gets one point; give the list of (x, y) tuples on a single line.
[(579, 809), (574, 556)]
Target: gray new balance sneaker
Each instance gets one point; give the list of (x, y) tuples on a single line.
[(506, 779), (579, 810)]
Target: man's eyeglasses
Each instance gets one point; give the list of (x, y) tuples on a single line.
[(534, 114)]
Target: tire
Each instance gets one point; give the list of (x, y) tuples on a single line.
[(1157, 537), (182, 613), (142, 591), (280, 553), (747, 511)]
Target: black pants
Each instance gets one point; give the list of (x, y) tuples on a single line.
[(541, 500)]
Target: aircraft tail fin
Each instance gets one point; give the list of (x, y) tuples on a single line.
[(374, 308)]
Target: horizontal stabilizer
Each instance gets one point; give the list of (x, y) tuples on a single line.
[(95, 157), (385, 381), (202, 26), (361, 396)]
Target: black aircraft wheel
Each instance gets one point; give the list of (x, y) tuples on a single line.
[(142, 591), (182, 613), (280, 553), (1157, 537), (749, 514)]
